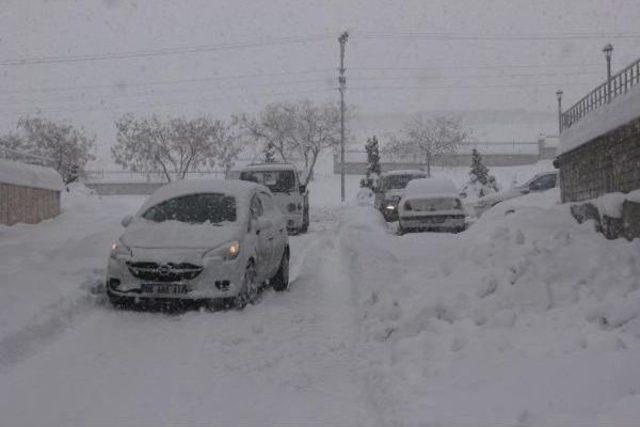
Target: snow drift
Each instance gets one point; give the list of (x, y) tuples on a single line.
[(528, 318)]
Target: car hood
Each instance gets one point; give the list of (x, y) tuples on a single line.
[(178, 235)]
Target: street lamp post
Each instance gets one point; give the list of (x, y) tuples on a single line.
[(559, 95), (608, 50)]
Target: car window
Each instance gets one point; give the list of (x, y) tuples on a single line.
[(544, 182), (397, 182), (194, 209), (267, 202), (281, 181), (255, 208)]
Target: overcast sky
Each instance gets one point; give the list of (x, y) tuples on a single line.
[(90, 61)]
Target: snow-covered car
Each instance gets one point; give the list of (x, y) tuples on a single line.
[(209, 241), (389, 190), (431, 204), (540, 182), (291, 197)]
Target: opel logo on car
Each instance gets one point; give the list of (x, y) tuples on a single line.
[(164, 269)]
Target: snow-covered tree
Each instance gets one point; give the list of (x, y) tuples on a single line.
[(66, 148), (174, 147), (298, 131), (374, 169), (429, 138), (481, 182)]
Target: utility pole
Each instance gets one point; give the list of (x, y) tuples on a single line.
[(559, 96), (342, 81)]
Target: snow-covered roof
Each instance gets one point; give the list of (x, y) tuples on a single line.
[(269, 167), (241, 190), (620, 111), (404, 172), (427, 186), (25, 175)]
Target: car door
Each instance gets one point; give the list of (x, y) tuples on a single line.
[(263, 243), (278, 233)]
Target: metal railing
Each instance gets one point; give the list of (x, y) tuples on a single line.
[(619, 84)]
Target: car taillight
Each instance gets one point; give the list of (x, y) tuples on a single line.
[(407, 206)]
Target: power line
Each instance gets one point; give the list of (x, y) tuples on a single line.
[(163, 51), (495, 37), (165, 82)]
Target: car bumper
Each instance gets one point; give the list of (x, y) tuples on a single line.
[(432, 222), (218, 279)]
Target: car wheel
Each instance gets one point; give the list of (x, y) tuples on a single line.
[(249, 292), (280, 282)]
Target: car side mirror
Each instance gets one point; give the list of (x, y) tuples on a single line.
[(126, 221), (302, 189)]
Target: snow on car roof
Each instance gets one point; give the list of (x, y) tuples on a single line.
[(26, 175), (269, 167), (240, 189), (404, 172), (431, 186)]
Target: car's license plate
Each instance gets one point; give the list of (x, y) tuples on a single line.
[(164, 289)]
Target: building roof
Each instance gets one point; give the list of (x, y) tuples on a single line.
[(26, 175)]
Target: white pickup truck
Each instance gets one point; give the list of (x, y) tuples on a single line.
[(291, 197)]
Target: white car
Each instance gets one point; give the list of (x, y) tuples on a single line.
[(200, 241), (291, 197), (431, 204), (540, 182)]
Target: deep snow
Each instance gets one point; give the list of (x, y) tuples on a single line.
[(526, 319)]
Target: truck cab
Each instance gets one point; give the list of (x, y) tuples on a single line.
[(289, 194)]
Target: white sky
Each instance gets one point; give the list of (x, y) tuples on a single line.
[(388, 74)]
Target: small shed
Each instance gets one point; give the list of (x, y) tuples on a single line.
[(28, 193)]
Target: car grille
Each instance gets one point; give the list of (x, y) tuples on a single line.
[(169, 272)]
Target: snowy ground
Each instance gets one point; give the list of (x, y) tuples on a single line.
[(526, 319)]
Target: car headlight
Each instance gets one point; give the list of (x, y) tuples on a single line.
[(120, 250), (391, 203), (390, 207), (227, 251)]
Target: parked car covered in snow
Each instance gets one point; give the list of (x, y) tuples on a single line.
[(540, 182), (210, 241), (431, 204), (389, 190), (291, 197)]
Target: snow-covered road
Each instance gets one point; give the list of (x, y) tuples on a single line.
[(526, 319), (288, 360)]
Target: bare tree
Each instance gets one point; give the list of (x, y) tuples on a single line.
[(66, 148), (429, 138), (174, 147), (295, 131)]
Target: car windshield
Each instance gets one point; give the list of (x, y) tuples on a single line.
[(281, 181), (439, 204), (195, 209), (397, 182)]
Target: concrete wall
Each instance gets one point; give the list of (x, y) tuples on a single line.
[(605, 164), (27, 204), (124, 188), (359, 168)]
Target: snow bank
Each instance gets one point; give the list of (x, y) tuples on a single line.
[(17, 173), (620, 111), (527, 318)]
